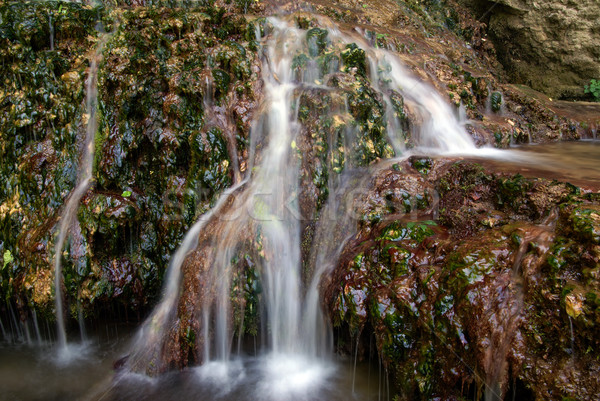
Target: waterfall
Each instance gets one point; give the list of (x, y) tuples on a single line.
[(260, 203), (297, 338), (84, 180)]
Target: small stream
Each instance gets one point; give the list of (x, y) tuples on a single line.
[(575, 162)]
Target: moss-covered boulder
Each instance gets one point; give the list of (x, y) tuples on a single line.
[(491, 290)]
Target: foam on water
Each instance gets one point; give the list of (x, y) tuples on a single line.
[(293, 377), (71, 353), (221, 377)]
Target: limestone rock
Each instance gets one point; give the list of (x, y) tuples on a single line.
[(550, 45)]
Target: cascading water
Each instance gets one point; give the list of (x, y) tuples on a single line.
[(318, 184), (297, 337), (83, 183), (260, 203), (438, 131)]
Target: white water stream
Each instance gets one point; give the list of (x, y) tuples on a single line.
[(67, 218)]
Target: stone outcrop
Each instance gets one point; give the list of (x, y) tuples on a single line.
[(496, 294), (552, 46), (173, 99)]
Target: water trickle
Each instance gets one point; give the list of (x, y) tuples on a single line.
[(25, 326), (49, 332), (463, 119), (4, 333), (572, 338), (51, 27), (153, 335), (83, 183), (512, 307), (15, 328), (437, 130), (81, 321), (355, 360), (36, 326)]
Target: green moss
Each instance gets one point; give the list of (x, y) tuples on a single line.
[(586, 224), (368, 111), (511, 191), (41, 108), (465, 177), (470, 268), (150, 185), (222, 81), (210, 163), (396, 308), (560, 255), (416, 231), (329, 63), (496, 101), (422, 164), (300, 61), (317, 41), (354, 57), (190, 337)]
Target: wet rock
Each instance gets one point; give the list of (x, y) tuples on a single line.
[(462, 302), (462, 276), (41, 119), (162, 154)]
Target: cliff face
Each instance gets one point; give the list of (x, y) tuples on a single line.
[(489, 288), (551, 45)]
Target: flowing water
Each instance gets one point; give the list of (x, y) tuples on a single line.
[(294, 360), (297, 350), (574, 162), (67, 219)]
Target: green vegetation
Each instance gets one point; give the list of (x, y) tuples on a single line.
[(593, 89), (158, 163), (420, 308), (7, 259), (41, 113), (496, 100), (422, 287)]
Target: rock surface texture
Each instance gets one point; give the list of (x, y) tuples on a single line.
[(552, 46)]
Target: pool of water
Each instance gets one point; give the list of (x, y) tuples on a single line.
[(262, 378), (35, 369), (86, 372)]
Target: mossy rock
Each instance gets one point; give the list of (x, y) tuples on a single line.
[(44, 47), (151, 181), (355, 58), (586, 223)]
